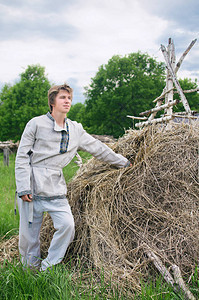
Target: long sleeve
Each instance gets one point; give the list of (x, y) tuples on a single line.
[(22, 163), (100, 150)]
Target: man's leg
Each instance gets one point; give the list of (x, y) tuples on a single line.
[(29, 243), (63, 222)]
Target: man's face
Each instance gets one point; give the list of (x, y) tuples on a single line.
[(62, 102)]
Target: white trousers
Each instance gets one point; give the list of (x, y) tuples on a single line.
[(29, 236)]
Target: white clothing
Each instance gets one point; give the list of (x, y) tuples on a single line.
[(42, 138), (44, 149), (29, 241)]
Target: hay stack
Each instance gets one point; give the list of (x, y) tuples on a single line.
[(124, 215)]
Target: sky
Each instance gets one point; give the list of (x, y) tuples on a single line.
[(73, 38)]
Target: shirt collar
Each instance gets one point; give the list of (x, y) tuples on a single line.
[(50, 116), (56, 126)]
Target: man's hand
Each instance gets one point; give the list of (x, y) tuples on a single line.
[(129, 164), (27, 198)]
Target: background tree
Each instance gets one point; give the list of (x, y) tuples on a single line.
[(23, 101), (125, 86), (76, 112), (192, 98)]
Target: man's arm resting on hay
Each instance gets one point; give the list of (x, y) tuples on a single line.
[(129, 164), (100, 150)]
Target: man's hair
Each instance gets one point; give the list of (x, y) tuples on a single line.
[(54, 90)]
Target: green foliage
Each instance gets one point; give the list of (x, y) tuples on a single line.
[(23, 101), (76, 112), (125, 86), (193, 98)]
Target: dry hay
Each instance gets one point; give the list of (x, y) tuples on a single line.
[(9, 249), (122, 215)]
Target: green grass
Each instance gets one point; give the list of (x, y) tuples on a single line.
[(9, 222), (158, 290), (70, 170), (62, 282), (58, 283)]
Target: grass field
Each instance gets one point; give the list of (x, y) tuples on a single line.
[(9, 222), (61, 282)]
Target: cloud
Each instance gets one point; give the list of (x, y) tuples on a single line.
[(27, 22), (73, 38), (99, 30), (109, 28), (181, 15), (120, 26), (38, 5), (182, 12), (182, 26)]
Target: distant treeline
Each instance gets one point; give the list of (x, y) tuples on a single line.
[(124, 86)]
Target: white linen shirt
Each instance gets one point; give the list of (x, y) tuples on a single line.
[(39, 163)]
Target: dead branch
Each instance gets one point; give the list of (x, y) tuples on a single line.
[(161, 268), (158, 108), (167, 276), (154, 121), (79, 160), (163, 94), (184, 116), (137, 118), (179, 280), (152, 116), (169, 82), (191, 91), (161, 97), (9, 144), (183, 56), (175, 81)]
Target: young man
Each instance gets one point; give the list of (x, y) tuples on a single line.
[(49, 142)]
